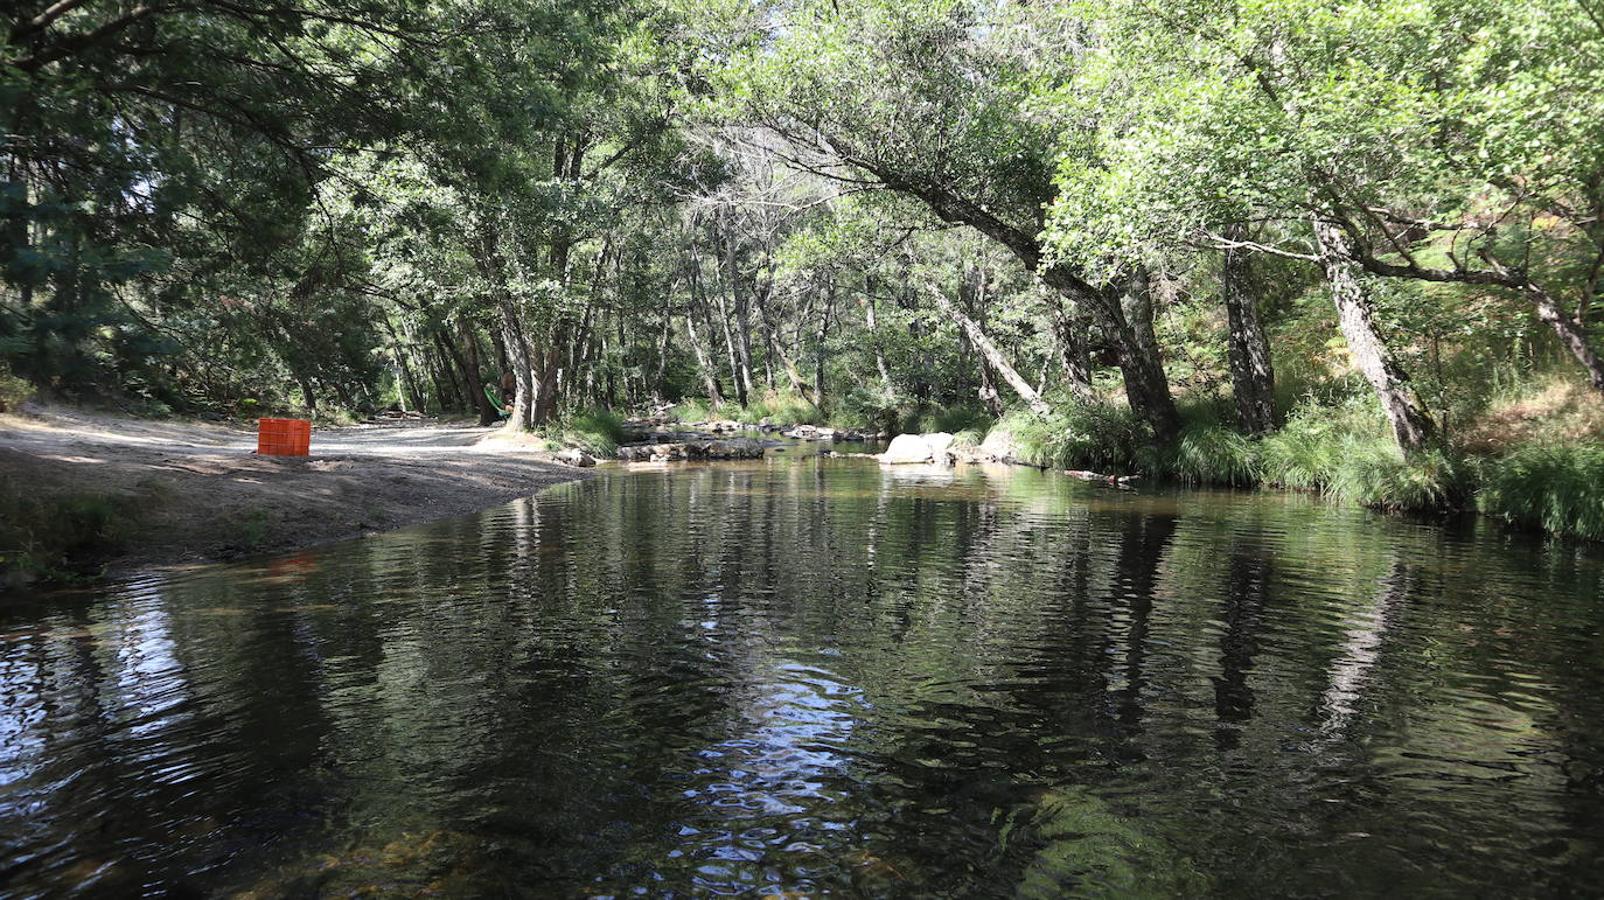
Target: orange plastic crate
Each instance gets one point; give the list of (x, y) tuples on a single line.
[(283, 437)]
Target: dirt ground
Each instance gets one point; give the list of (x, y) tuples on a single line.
[(197, 492)]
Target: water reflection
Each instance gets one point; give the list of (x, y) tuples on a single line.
[(816, 676)]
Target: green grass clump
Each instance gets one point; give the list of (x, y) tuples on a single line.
[(1100, 437), (968, 438), (1210, 453), (1556, 487), (1374, 474), (693, 409), (950, 419), (595, 431), (1346, 453)]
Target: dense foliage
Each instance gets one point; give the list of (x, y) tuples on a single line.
[(1341, 247)]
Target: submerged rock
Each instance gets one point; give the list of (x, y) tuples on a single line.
[(651, 452), (733, 448)]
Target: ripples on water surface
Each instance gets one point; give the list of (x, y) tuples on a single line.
[(815, 676)]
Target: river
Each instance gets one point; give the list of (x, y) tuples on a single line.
[(817, 675)]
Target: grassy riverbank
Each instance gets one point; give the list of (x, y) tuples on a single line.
[(1533, 457), (1531, 454)]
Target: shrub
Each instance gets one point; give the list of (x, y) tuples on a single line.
[(1102, 437), (55, 536), (1557, 487), (14, 391)]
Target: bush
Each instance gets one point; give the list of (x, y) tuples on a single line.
[(950, 419), (1101, 437), (1557, 487), (14, 391), (54, 537)]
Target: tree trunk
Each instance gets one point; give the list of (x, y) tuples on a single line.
[(792, 376), (737, 376), (886, 384), (1074, 352), (409, 383), (1412, 426), (444, 377), (493, 267), (1147, 387), (709, 376), (1572, 334), (660, 377), (741, 351), (476, 378), (1247, 348), (1141, 360), (973, 293), (821, 337), (989, 350)]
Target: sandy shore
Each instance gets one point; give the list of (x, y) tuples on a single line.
[(197, 492)]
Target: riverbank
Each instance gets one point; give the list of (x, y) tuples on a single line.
[(85, 494)]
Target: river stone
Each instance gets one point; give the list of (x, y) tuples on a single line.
[(938, 442), (1000, 445), (740, 448), (573, 456), (907, 448)]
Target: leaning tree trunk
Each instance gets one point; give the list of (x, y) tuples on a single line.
[(974, 299), (1412, 426), (1572, 334), (987, 349), (1247, 348)]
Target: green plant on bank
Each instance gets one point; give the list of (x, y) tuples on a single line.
[(14, 391), (595, 431), (1341, 452), (776, 408), (1556, 487), (53, 537)]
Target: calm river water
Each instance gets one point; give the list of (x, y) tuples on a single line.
[(815, 676)]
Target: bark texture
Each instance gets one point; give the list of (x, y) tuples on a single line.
[(1412, 426), (1247, 347)]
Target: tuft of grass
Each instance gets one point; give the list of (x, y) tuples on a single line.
[(1556, 487), (1210, 453), (1101, 437), (968, 439), (595, 431), (950, 419), (1376, 475)]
